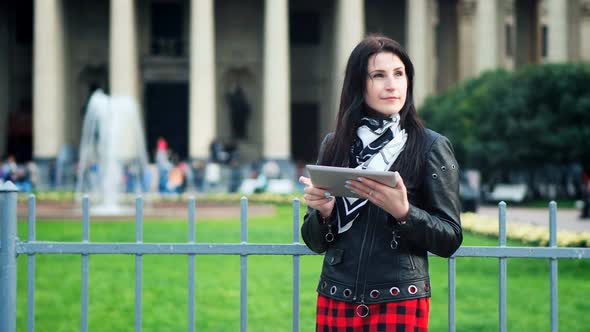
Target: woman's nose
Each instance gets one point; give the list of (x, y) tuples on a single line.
[(390, 83)]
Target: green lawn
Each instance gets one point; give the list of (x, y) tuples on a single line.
[(269, 283)]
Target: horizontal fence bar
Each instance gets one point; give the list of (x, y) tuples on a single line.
[(523, 252), (267, 249)]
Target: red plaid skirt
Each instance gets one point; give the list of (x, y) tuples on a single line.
[(401, 316)]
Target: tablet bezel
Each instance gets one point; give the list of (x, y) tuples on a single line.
[(333, 179)]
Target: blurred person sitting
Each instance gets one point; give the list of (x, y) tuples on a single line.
[(218, 152), (198, 168), (9, 166), (271, 169), (176, 180), (1, 172)]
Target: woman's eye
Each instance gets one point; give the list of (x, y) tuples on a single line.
[(378, 75), (399, 74)]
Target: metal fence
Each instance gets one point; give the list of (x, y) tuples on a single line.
[(11, 247)]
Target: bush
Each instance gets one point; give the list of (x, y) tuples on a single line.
[(521, 120)]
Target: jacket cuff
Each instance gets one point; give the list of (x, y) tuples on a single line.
[(330, 220), (412, 218), (317, 223), (395, 221)]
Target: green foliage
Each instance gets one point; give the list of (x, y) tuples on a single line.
[(517, 120)]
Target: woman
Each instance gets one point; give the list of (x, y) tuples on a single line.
[(375, 270)]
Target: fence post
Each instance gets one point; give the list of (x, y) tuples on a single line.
[(8, 196)]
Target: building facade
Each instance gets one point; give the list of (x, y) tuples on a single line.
[(262, 74)]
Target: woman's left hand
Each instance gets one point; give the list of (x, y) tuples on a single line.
[(393, 200)]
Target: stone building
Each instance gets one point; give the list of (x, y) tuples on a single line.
[(181, 60)]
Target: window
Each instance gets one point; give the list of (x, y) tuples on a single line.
[(509, 40), (24, 22), (304, 28), (166, 30), (544, 32)]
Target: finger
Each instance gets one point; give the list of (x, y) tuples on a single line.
[(400, 182), (373, 194), (317, 192), (359, 187), (314, 198), (320, 203), (323, 203), (305, 181), (326, 207), (368, 182), (376, 185)]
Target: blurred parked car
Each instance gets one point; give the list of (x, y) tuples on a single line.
[(469, 194)]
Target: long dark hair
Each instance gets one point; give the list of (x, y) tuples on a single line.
[(353, 108)]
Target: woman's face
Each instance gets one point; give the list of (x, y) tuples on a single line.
[(387, 83)]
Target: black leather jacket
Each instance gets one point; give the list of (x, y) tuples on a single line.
[(360, 265)]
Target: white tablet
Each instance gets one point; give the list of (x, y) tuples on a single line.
[(333, 178)]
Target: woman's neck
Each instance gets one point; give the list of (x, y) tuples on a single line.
[(371, 113)]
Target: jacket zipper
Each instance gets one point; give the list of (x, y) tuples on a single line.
[(358, 271), (411, 260), (372, 244), (409, 257)]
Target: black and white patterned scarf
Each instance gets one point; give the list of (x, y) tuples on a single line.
[(378, 143)]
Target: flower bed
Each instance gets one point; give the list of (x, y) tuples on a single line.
[(530, 234)]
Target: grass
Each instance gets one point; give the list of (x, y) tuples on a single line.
[(540, 203), (111, 307)]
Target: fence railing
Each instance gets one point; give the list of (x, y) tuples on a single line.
[(11, 247)]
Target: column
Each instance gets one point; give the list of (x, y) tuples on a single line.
[(557, 29), (48, 79), (123, 62), (202, 117), (467, 42), (487, 32), (5, 94), (420, 48), (585, 30), (276, 103), (349, 31)]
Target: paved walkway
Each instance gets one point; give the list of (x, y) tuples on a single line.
[(73, 211), (567, 219)]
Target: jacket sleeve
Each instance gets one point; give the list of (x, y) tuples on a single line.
[(313, 231), (436, 226)]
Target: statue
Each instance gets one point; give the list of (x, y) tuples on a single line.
[(239, 111)]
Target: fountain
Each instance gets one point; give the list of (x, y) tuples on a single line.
[(113, 157)]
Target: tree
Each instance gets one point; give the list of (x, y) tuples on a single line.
[(517, 121)]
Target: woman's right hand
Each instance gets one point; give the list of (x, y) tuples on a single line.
[(317, 198)]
